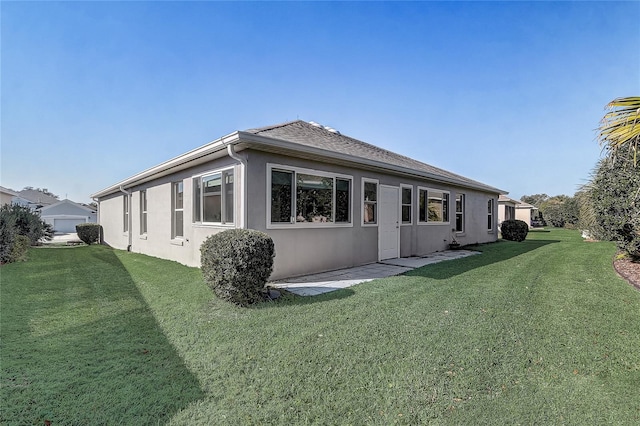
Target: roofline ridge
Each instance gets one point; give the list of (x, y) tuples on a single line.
[(257, 130)]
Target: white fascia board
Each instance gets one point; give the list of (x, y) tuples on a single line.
[(175, 164), (279, 143), (183, 161)]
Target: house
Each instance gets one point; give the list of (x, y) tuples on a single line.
[(7, 195), (509, 208), (506, 208), (328, 201), (64, 215), (33, 198), (527, 213)]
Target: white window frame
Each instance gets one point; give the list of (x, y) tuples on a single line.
[(174, 210), (363, 202), (490, 214), (223, 199), (427, 221), (402, 205), (143, 212), (126, 211), (294, 223), (461, 213)]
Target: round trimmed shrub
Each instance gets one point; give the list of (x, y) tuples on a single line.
[(514, 230), (236, 264), (89, 233)]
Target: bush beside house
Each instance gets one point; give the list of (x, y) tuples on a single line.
[(237, 263), (19, 228), (89, 233), (514, 230)]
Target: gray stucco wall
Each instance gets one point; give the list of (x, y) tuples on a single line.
[(301, 250), (298, 250), (157, 241)]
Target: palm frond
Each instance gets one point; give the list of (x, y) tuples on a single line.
[(620, 128)]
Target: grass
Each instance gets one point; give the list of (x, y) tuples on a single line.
[(536, 332)]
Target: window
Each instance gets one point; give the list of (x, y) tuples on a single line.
[(433, 206), (143, 212), (460, 213), (213, 197), (177, 202), (301, 196), (509, 212), (369, 201), (490, 214), (407, 204), (125, 213), (281, 196)]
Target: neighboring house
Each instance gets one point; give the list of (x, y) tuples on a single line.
[(509, 208), (328, 201), (527, 213), (36, 199), (506, 208), (65, 215), (7, 196)]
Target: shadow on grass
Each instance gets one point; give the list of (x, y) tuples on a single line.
[(288, 298), (491, 253), (83, 347)]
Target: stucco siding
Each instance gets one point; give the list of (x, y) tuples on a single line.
[(524, 214), (158, 241), (111, 219), (301, 248)]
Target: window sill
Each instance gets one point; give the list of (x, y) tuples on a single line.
[(309, 225), (143, 236), (407, 224), (434, 223), (369, 225), (214, 225), (177, 242)]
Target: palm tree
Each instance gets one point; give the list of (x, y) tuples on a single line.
[(620, 127)]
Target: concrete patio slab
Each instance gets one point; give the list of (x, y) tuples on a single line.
[(324, 282)]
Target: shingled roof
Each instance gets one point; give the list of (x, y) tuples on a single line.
[(316, 136), (307, 140)]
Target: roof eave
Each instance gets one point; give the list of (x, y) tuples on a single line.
[(186, 160), (378, 165), (173, 165)]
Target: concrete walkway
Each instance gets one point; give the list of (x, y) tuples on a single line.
[(312, 285), (64, 238)]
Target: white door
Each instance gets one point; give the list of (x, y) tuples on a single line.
[(389, 227)]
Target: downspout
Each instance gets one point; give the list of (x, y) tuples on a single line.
[(130, 217), (243, 188), (97, 201)]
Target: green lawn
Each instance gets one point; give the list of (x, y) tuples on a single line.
[(536, 332)]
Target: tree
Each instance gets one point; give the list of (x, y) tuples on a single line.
[(535, 199), (18, 226), (614, 194), (619, 129), (560, 211)]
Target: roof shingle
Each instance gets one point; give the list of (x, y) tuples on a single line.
[(316, 136)]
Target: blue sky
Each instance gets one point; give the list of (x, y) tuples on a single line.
[(507, 93)]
